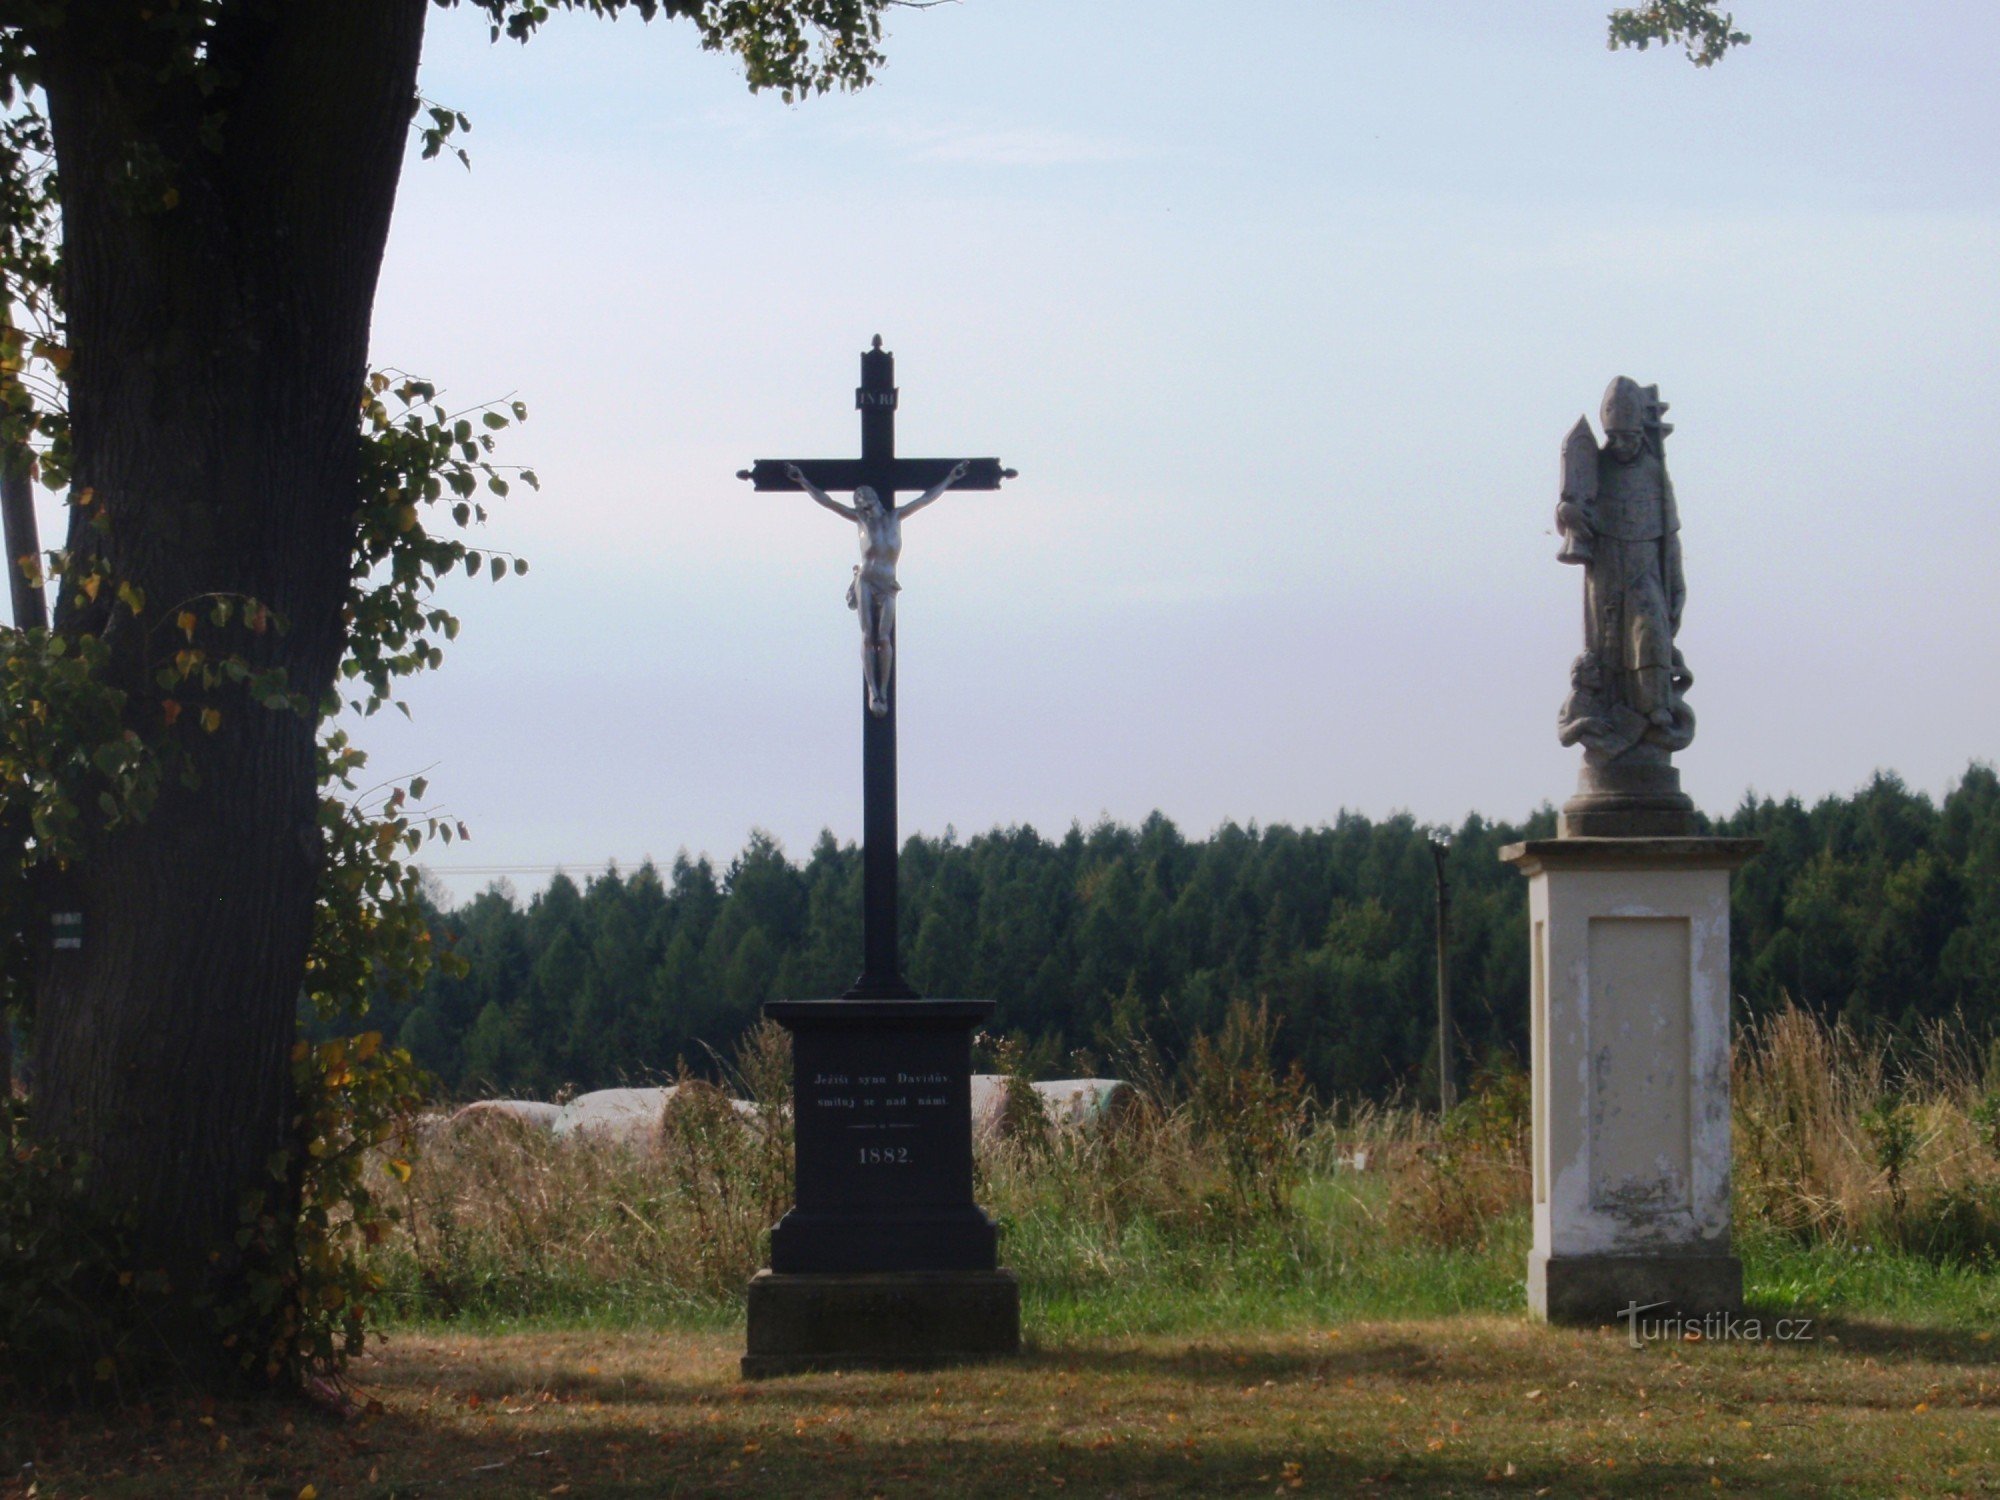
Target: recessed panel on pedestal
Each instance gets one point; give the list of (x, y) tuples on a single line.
[(1641, 1152)]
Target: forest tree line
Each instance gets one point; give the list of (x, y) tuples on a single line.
[(1882, 908)]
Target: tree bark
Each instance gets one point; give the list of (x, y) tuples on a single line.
[(222, 250)]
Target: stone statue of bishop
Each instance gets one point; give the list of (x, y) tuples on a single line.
[(1627, 704)]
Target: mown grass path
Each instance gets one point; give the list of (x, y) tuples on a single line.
[(1460, 1406)]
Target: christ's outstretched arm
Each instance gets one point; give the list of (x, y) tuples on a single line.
[(958, 472), (797, 476)]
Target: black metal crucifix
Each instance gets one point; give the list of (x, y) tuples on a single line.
[(880, 470)]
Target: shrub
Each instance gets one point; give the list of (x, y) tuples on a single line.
[(73, 1300), (1453, 1188), (729, 1171), (1254, 1116)]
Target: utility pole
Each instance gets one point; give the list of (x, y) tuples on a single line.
[(17, 507), (1447, 1089)]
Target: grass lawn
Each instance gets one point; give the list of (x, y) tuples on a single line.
[(568, 1329), (1469, 1405)]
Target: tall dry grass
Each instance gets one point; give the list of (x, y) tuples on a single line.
[(1850, 1140), (1454, 1180), (1198, 1157), (1222, 1168), (1838, 1140), (501, 1218)]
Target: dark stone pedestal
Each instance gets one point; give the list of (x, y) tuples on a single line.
[(884, 1259), (905, 1320), (1599, 1289)]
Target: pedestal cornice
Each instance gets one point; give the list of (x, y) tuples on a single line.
[(1533, 856)]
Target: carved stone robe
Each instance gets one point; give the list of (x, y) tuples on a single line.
[(1634, 589)]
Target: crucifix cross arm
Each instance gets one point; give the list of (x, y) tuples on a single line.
[(884, 478), (958, 472)]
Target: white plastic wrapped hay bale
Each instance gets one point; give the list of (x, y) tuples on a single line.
[(623, 1116), (1085, 1103), (1066, 1103), (530, 1113)]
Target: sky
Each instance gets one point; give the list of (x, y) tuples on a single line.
[(1282, 312)]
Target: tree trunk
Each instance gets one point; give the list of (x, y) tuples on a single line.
[(219, 294)]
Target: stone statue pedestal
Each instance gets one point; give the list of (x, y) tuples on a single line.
[(884, 1261), (1629, 800), (1630, 990)]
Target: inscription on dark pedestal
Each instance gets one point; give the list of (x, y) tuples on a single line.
[(883, 1099), (883, 1130)]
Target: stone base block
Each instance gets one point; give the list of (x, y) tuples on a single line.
[(1619, 818), (1629, 800), (910, 1320), (1599, 1289)]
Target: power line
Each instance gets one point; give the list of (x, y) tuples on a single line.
[(590, 865)]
